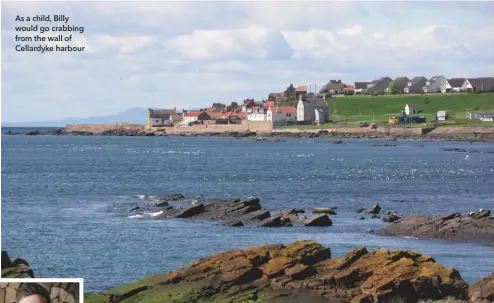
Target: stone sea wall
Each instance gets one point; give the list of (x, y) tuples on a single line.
[(245, 126), (99, 128)]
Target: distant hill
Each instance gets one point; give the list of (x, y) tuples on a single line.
[(136, 115)]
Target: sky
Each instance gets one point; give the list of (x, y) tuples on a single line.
[(191, 54)]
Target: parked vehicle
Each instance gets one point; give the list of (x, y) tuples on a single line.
[(392, 121)]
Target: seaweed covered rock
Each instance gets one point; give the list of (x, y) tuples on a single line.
[(15, 268), (300, 272), (482, 291), (476, 227)]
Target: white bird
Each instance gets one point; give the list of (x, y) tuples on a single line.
[(195, 200), (481, 210), (471, 213)]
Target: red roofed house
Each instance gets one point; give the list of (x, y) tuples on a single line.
[(300, 91), (349, 90), (237, 117), (216, 113), (268, 103), (282, 113), (195, 116)]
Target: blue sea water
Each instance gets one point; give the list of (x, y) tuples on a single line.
[(60, 195)]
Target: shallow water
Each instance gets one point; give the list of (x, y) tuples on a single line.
[(59, 194)]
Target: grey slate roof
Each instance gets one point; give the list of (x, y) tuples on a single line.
[(162, 113), (485, 83), (361, 85), (417, 84), (456, 82), (314, 101)]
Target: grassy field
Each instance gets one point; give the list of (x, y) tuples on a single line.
[(380, 108)]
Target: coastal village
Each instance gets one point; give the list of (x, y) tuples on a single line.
[(303, 105)]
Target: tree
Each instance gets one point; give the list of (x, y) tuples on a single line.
[(394, 87), (219, 105)]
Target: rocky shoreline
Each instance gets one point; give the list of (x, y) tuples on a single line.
[(263, 136), (235, 213), (305, 271), (478, 227), (15, 268)]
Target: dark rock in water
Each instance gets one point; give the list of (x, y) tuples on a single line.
[(162, 204), (335, 142), (323, 210), (373, 209), (256, 215), (163, 200), (233, 213), (482, 214), (15, 268), (391, 217), (362, 218), (360, 210), (33, 133), (303, 271), (57, 131), (319, 220), (449, 227), (299, 211), (482, 291), (235, 223), (375, 217), (276, 221), (384, 145), (190, 212), (135, 208)]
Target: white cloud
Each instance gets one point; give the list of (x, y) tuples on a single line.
[(210, 44), (358, 46), (228, 66), (352, 31)]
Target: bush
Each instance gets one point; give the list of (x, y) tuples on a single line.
[(375, 94)]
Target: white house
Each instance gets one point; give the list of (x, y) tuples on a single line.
[(411, 109), (441, 115), (191, 116), (452, 85), (282, 113), (257, 114)]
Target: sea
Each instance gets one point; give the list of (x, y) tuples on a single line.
[(62, 198)]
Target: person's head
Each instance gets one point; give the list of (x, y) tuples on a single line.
[(32, 293)]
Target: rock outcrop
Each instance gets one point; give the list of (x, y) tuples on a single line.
[(59, 292), (477, 227), (300, 272), (482, 291), (15, 268), (235, 213)]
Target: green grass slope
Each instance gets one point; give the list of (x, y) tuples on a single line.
[(361, 108)]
